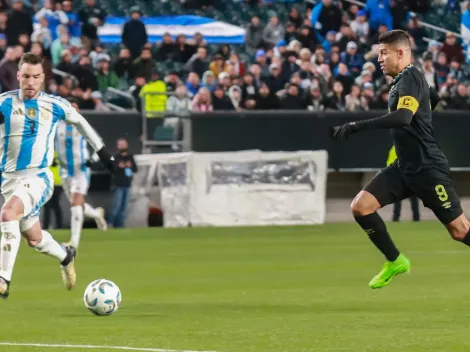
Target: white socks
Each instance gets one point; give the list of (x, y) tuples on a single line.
[(91, 212), (50, 246), (76, 224), (9, 246)]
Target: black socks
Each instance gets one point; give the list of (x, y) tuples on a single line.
[(375, 228)]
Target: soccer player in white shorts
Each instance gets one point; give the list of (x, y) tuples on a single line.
[(73, 156), (28, 122)]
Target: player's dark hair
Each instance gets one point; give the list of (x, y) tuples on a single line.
[(396, 36), (30, 58)]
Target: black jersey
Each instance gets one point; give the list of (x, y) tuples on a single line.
[(415, 144)]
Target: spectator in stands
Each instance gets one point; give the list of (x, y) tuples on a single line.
[(353, 99), (290, 32), (202, 101), (85, 75), (352, 58), (135, 90), (315, 101), (183, 50), (235, 95), (345, 37), (65, 64), (97, 98), (83, 98), (166, 49), (198, 41), (122, 180), (155, 102), (273, 32), (193, 84), (92, 16), (276, 80), (54, 17), (293, 99), (144, 64), (290, 67), (225, 80), (42, 34), (452, 49), (105, 77), (209, 81), (172, 81), (326, 16), (73, 24), (249, 87), (460, 101), (220, 101), (368, 95), (456, 69), (239, 66), (379, 13), (224, 51), (448, 89), (360, 26), (254, 35), (198, 62), (217, 65), (262, 61), (179, 103), (25, 42), (255, 70), (19, 21), (58, 46), (442, 68), (295, 17), (417, 32), (344, 77), (267, 100), (123, 65), (307, 37), (8, 70), (336, 100), (3, 45), (380, 102), (134, 34), (429, 72)]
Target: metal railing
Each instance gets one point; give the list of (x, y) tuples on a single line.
[(65, 75), (110, 91)]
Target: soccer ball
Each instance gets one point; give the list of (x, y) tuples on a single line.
[(102, 297)]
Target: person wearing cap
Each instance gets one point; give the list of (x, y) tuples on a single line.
[(329, 40), (134, 34), (276, 80), (352, 58), (262, 60), (105, 77), (289, 67), (452, 49), (360, 26)]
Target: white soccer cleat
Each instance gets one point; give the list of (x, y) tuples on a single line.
[(69, 276), (100, 220)]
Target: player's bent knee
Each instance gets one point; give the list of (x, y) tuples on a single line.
[(364, 204), (458, 231)]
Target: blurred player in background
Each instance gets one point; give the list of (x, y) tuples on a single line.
[(28, 122), (74, 158), (421, 168)]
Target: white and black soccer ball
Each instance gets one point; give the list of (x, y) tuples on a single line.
[(102, 297)]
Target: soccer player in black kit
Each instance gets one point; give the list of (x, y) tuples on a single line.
[(421, 168)]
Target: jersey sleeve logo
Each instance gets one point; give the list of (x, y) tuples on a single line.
[(408, 102)]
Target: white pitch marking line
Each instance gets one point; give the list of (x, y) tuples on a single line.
[(92, 347)]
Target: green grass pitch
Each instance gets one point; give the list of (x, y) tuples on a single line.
[(276, 289)]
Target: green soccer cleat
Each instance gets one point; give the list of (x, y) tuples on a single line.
[(390, 269)]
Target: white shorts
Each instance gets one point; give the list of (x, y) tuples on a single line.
[(33, 188), (78, 183)]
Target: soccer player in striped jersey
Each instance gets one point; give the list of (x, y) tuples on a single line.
[(28, 123), (73, 157)]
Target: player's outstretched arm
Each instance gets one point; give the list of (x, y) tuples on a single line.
[(91, 137), (398, 118)]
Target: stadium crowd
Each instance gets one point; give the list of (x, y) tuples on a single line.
[(324, 57)]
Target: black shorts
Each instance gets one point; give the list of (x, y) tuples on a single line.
[(432, 185)]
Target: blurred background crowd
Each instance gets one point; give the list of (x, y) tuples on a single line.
[(315, 55)]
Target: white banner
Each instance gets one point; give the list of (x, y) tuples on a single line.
[(239, 188)]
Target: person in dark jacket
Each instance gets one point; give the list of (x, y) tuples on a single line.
[(134, 33), (144, 64), (125, 169), (85, 74), (292, 100), (220, 101), (266, 100), (276, 81), (123, 65), (19, 21), (91, 16), (8, 71), (166, 49)]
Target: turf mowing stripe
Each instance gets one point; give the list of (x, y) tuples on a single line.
[(93, 347)]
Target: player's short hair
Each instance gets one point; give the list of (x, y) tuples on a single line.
[(30, 58), (394, 37)]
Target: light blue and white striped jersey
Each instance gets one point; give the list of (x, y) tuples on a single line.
[(28, 129), (71, 149)]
